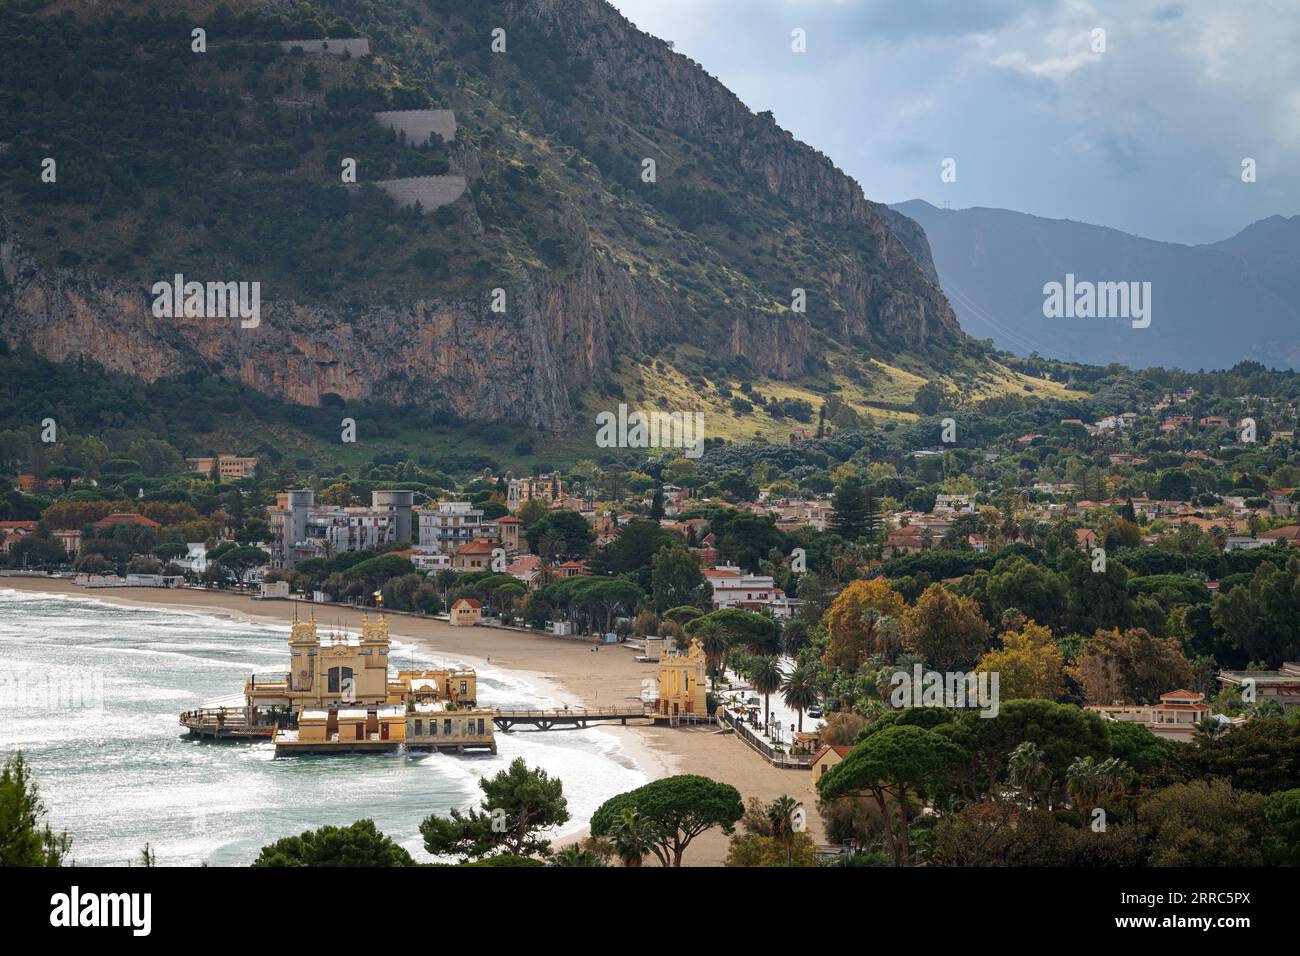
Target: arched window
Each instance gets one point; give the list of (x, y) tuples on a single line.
[(340, 677)]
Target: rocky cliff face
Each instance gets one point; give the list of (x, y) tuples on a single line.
[(897, 291), (454, 354), (562, 326)]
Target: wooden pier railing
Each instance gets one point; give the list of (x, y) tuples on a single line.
[(506, 718)]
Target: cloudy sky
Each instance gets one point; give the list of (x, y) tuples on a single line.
[(1148, 136)]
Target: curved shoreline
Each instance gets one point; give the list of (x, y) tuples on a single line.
[(568, 668)]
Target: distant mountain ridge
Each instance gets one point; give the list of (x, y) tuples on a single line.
[(1212, 305)]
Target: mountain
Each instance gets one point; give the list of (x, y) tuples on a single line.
[(1211, 305), (224, 165)]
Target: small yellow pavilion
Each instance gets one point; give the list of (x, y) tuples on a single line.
[(681, 683)]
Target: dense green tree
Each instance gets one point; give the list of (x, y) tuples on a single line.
[(677, 810), (1262, 617), (1282, 841), (855, 514), (893, 766), (26, 839), (1140, 748), (1263, 756), (945, 630), (1037, 592), (519, 805), (730, 627), (633, 548), (360, 844), (1063, 732), (569, 529), (676, 579), (1097, 599), (1204, 824)]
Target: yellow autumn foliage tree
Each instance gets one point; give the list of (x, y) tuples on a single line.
[(1030, 664), (853, 636)]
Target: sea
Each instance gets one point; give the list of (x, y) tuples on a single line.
[(91, 691)]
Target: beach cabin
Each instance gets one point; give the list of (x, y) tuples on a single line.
[(826, 758), (466, 613), (274, 591)]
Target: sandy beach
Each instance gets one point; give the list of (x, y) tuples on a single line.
[(608, 676)]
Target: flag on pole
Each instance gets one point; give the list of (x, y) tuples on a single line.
[(379, 597)]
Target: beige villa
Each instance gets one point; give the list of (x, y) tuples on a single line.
[(1174, 718)]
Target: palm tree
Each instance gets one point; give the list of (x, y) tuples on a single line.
[(544, 575), (784, 816), (765, 674), (882, 636), (575, 855), (1211, 728), (1090, 783), (800, 691), (781, 815), (1029, 774), (446, 578), (715, 644), (632, 837)]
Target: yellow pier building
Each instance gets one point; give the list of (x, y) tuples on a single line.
[(338, 697)]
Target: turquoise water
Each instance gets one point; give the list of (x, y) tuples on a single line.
[(91, 692)]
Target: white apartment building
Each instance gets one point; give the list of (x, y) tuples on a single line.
[(733, 587), (452, 524), (303, 529)]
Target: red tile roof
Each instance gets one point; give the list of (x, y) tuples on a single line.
[(126, 517)]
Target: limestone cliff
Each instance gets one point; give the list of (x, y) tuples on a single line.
[(593, 265)]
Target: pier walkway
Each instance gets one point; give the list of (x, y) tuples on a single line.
[(572, 717), (224, 723)]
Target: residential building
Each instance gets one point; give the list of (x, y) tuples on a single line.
[(11, 532), (475, 556), (302, 529), (1174, 718), (1288, 536), (544, 488), (71, 539), (749, 592), (909, 539), (228, 466), (451, 524), (126, 517), (508, 531), (1281, 685), (825, 759)]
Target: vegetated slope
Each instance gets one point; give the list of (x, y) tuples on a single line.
[(225, 166)]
